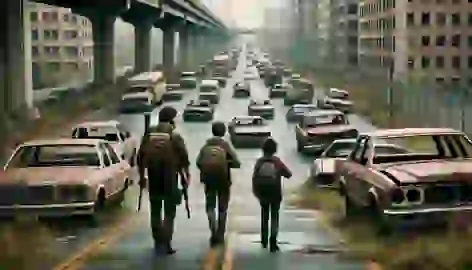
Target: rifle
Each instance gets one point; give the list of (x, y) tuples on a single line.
[(147, 123), (183, 182)]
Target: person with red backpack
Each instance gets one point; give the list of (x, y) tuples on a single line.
[(164, 154), (214, 161), (267, 187)]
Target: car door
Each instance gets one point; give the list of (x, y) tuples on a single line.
[(107, 171), (352, 165), (360, 178), (119, 169)]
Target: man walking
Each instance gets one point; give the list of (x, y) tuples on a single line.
[(215, 160), (164, 154)]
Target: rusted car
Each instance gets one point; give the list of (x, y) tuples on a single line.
[(262, 108), (119, 137), (248, 131), (198, 110), (62, 177), (296, 112), (174, 92), (324, 169), (429, 181), (188, 80), (242, 89), (318, 129)]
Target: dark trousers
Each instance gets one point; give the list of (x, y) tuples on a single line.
[(214, 196), (163, 209), (269, 210)]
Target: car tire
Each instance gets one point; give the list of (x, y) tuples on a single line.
[(383, 226), (93, 219), (299, 147)]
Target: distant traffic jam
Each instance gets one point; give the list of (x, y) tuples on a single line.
[(395, 175)]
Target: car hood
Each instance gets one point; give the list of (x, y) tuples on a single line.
[(329, 129), (339, 101), (43, 175), (261, 107), (430, 171), (253, 129)]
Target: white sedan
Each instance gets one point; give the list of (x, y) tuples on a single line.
[(124, 143)]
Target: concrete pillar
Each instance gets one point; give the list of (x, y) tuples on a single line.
[(168, 57), (142, 47), (15, 72), (184, 49), (103, 47)]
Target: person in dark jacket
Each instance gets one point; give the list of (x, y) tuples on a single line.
[(218, 190), (163, 187), (270, 195)]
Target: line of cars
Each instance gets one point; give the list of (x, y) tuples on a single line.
[(395, 177)]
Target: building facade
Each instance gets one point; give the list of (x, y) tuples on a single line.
[(345, 34), (62, 46), (419, 39)]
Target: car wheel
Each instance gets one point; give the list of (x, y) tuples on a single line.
[(383, 226), (299, 147), (94, 218)]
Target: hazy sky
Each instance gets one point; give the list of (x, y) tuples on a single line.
[(242, 13)]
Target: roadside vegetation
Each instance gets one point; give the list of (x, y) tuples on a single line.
[(432, 249)]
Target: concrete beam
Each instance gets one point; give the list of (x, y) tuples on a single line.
[(15, 71), (103, 46)]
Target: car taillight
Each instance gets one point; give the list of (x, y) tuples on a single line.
[(397, 196)]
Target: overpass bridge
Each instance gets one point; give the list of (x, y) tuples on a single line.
[(197, 27)]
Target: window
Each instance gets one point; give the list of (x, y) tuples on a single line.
[(72, 66), (54, 16), (352, 9), (456, 19), (440, 61), (66, 17), (440, 19), (469, 62), (46, 16), (34, 16), (51, 50), (71, 50), (469, 41), (411, 62), (439, 80), (74, 19), (71, 34), (54, 34), (54, 66), (456, 62), (114, 158), (456, 40), (34, 50), (440, 40), (425, 18), (425, 62), (410, 19), (469, 19), (34, 35), (47, 34), (425, 40)]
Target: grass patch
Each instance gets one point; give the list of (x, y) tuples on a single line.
[(26, 245), (449, 248)]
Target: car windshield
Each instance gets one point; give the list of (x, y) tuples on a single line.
[(249, 122), (104, 133), (302, 110), (55, 155), (422, 147), (207, 88), (187, 75), (137, 89), (338, 95), (136, 100), (340, 149), (328, 119)]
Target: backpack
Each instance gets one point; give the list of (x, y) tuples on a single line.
[(266, 174), (159, 148), (214, 160)]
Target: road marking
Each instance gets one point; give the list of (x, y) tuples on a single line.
[(79, 258), (210, 261), (228, 259)]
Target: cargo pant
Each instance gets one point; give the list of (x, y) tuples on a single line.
[(163, 210), (217, 196)]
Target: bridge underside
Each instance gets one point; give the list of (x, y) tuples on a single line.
[(87, 4)]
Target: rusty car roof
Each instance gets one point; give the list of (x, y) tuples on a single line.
[(324, 112), (108, 123), (62, 141), (402, 132)]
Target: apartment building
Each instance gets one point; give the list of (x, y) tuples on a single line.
[(420, 39), (344, 28), (62, 46)]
